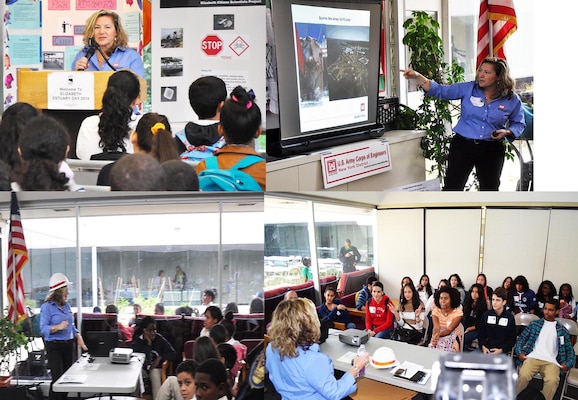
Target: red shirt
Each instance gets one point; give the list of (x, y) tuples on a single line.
[(377, 315)]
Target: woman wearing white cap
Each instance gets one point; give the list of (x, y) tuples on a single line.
[(57, 327)]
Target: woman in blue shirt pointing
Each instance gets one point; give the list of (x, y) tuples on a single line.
[(57, 327), (490, 112)]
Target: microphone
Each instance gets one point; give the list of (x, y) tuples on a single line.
[(91, 50)]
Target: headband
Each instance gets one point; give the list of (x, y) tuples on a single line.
[(155, 128)]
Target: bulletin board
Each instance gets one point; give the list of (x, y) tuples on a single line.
[(194, 38), (46, 35)]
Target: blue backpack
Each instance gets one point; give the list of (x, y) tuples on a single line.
[(213, 179)]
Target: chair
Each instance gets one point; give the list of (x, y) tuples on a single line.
[(523, 320), (571, 326), (571, 381), (188, 350), (424, 330), (251, 344)]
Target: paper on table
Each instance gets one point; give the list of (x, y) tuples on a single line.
[(411, 369), (73, 379), (347, 357)]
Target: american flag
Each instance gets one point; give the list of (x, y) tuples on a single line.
[(497, 23), (17, 258)]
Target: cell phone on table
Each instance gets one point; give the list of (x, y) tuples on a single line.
[(417, 376), (399, 372)]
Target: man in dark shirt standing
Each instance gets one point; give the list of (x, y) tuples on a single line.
[(349, 256)]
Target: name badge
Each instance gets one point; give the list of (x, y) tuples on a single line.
[(561, 340), (540, 304), (516, 298), (372, 309), (503, 322), (492, 319), (476, 101)]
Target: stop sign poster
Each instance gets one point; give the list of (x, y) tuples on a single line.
[(194, 38)]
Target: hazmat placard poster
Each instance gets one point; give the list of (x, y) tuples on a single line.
[(194, 38)]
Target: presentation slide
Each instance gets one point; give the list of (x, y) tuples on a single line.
[(332, 58)]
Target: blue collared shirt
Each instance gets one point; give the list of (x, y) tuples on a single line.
[(121, 58), (478, 119), (52, 314), (309, 376)]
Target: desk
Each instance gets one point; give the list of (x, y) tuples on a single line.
[(403, 351), (102, 376)]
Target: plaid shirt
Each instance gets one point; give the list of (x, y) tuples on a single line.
[(527, 340)]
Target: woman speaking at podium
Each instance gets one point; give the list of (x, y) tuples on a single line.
[(106, 46)]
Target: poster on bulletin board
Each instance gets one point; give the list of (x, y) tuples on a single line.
[(195, 38)]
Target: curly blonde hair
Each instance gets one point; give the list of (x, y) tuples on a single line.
[(121, 36), (505, 82), (294, 324)]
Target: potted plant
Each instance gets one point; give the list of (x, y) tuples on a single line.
[(433, 115), (11, 340)]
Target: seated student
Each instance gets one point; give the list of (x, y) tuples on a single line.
[(524, 297), (137, 309), (334, 310), (137, 172), (11, 125), (106, 136), (213, 316), (229, 358), (567, 302), (240, 348), (456, 282), (152, 136), (424, 288), (204, 349), (207, 96), (124, 332), (475, 306), (482, 280), (544, 347), (212, 381), (43, 147), (378, 316), (240, 124), (446, 317), (497, 328), (364, 295), (156, 348), (410, 312), (545, 292), (207, 299), (180, 176), (218, 334), (159, 309), (181, 386)]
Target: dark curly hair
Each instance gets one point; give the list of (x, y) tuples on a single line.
[(240, 117), (454, 296), (43, 145), (123, 88)]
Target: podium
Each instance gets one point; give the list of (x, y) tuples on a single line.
[(33, 88)]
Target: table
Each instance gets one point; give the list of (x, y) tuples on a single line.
[(102, 376), (403, 352)]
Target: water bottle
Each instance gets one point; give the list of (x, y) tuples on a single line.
[(361, 352)]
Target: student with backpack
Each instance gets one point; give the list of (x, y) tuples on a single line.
[(236, 166), (200, 139)]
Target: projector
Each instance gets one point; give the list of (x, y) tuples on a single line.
[(120, 355), (354, 337)]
